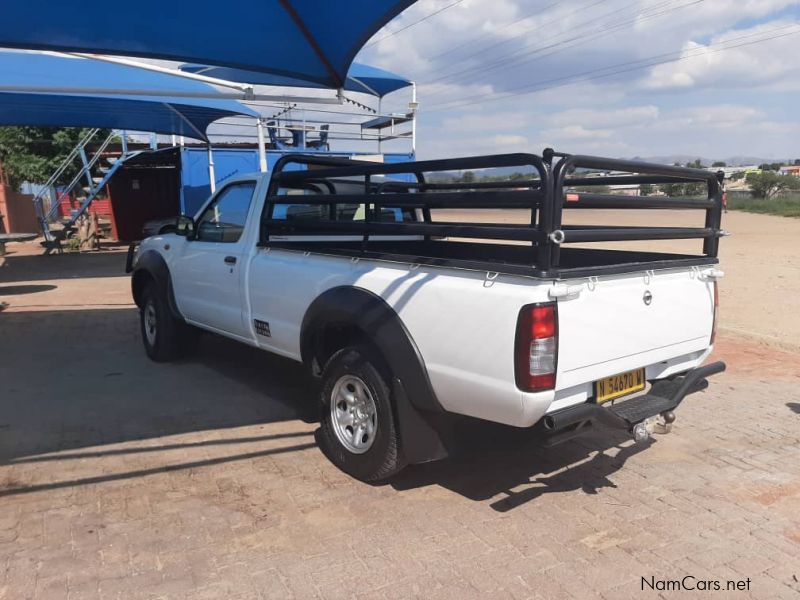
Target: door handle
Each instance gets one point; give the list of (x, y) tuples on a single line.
[(230, 260)]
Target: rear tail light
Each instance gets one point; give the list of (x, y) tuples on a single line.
[(716, 312), (536, 347)]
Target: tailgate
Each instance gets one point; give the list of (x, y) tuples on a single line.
[(624, 322)]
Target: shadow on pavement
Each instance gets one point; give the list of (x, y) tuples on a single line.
[(19, 290), (79, 379), (73, 379), (26, 267), (515, 465), (794, 407), (13, 490)]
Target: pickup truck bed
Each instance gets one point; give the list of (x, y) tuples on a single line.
[(511, 259), (407, 320)]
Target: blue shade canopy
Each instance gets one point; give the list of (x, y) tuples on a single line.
[(33, 93), (313, 40), (360, 78)]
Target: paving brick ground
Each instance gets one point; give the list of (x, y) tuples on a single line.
[(124, 479)]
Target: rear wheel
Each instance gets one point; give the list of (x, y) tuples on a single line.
[(165, 338), (358, 432)]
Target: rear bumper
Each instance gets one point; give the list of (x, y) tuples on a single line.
[(663, 397)]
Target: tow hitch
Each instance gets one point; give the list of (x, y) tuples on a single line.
[(661, 424), (639, 416)]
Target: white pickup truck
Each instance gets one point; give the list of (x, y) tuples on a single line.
[(408, 313)]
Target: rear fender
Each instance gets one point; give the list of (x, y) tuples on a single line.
[(347, 308)]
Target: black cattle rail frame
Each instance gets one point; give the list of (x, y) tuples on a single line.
[(546, 197)]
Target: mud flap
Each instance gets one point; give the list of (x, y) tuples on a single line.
[(421, 441)]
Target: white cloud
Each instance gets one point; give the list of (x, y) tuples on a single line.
[(576, 132), (738, 101), (621, 117), (510, 142), (721, 63)]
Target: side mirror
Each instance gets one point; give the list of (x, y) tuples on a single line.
[(185, 226)]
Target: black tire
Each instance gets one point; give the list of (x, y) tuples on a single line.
[(383, 458), (165, 338)]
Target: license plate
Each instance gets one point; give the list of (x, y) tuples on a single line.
[(620, 385)]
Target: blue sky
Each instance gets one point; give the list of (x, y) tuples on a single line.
[(519, 75)]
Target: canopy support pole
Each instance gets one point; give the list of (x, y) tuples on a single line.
[(414, 119), (262, 150), (380, 137), (212, 178), (167, 70), (210, 95)]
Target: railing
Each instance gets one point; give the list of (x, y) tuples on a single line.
[(545, 197), (86, 171), (426, 196), (38, 199), (640, 173)]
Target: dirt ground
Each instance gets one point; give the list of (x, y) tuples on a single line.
[(120, 478)]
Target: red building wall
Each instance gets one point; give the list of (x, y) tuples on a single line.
[(137, 195), (18, 213)]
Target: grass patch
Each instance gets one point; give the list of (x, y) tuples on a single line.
[(782, 206)]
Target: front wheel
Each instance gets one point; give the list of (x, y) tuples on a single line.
[(358, 432), (165, 338)]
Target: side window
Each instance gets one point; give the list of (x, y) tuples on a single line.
[(225, 217)]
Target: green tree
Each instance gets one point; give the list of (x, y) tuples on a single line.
[(697, 164), (719, 163), (770, 166), (768, 183), (646, 189), (468, 177), (34, 153), (683, 190)]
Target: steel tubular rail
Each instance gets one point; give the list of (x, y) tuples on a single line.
[(516, 199), (592, 200), (527, 194), (370, 168), (625, 179), (545, 197), (624, 234), (473, 230), (644, 172)]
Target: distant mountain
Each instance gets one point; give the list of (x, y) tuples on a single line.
[(733, 161)]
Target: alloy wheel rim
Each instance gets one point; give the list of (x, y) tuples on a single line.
[(353, 414), (150, 323)]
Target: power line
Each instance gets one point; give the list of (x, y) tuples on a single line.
[(592, 75), (593, 32), (527, 31), (425, 18), (472, 41)]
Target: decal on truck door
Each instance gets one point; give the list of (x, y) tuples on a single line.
[(262, 328)]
